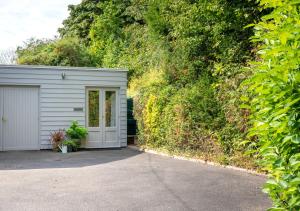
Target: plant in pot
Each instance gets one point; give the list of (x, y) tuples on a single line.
[(56, 138), (76, 133), (72, 145)]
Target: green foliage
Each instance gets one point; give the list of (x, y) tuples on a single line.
[(81, 18), (169, 120), (107, 37), (275, 101), (73, 145), (60, 52), (75, 131), (188, 97), (184, 59)]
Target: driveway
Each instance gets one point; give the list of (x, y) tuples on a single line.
[(122, 179)]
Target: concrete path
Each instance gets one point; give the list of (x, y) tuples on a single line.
[(122, 180)]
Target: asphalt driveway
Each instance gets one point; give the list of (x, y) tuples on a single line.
[(122, 180)]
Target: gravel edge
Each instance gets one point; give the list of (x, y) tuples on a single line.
[(195, 160)]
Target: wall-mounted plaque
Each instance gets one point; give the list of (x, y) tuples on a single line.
[(78, 109)]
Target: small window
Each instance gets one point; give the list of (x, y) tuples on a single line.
[(110, 108), (93, 108)]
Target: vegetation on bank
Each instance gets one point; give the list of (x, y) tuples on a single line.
[(185, 61), (200, 86)]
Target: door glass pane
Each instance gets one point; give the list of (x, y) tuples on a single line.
[(110, 108), (93, 108)]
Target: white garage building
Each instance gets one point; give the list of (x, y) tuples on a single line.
[(37, 100)]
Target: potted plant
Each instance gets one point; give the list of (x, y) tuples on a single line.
[(76, 132), (57, 138), (71, 145)]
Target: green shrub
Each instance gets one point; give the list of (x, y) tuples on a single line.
[(188, 99), (183, 120), (73, 145), (275, 101), (76, 132)]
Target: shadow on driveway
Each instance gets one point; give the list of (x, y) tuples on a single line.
[(20, 160)]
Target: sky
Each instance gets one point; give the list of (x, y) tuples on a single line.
[(21, 20)]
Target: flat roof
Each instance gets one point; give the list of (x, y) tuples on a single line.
[(62, 68)]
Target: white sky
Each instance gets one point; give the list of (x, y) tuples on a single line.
[(23, 19)]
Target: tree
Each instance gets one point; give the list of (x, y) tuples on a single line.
[(81, 18), (57, 52)]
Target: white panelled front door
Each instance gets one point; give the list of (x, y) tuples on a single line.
[(111, 117), (102, 118), (19, 118)]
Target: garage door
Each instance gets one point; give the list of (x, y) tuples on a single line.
[(19, 118)]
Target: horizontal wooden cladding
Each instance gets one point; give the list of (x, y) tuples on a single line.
[(54, 127), (48, 146), (77, 72), (47, 127), (81, 86), (69, 92), (62, 91), (123, 92), (62, 122), (45, 139), (60, 109), (62, 100), (47, 133), (123, 115), (62, 114), (123, 122), (46, 142), (62, 104), (124, 109), (59, 77), (123, 104), (124, 125), (60, 118), (45, 100), (97, 83), (62, 94)]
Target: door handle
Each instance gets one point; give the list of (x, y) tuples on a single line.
[(3, 119)]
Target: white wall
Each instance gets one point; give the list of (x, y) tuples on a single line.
[(58, 97)]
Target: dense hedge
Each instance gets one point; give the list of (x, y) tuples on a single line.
[(275, 101), (187, 97)]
